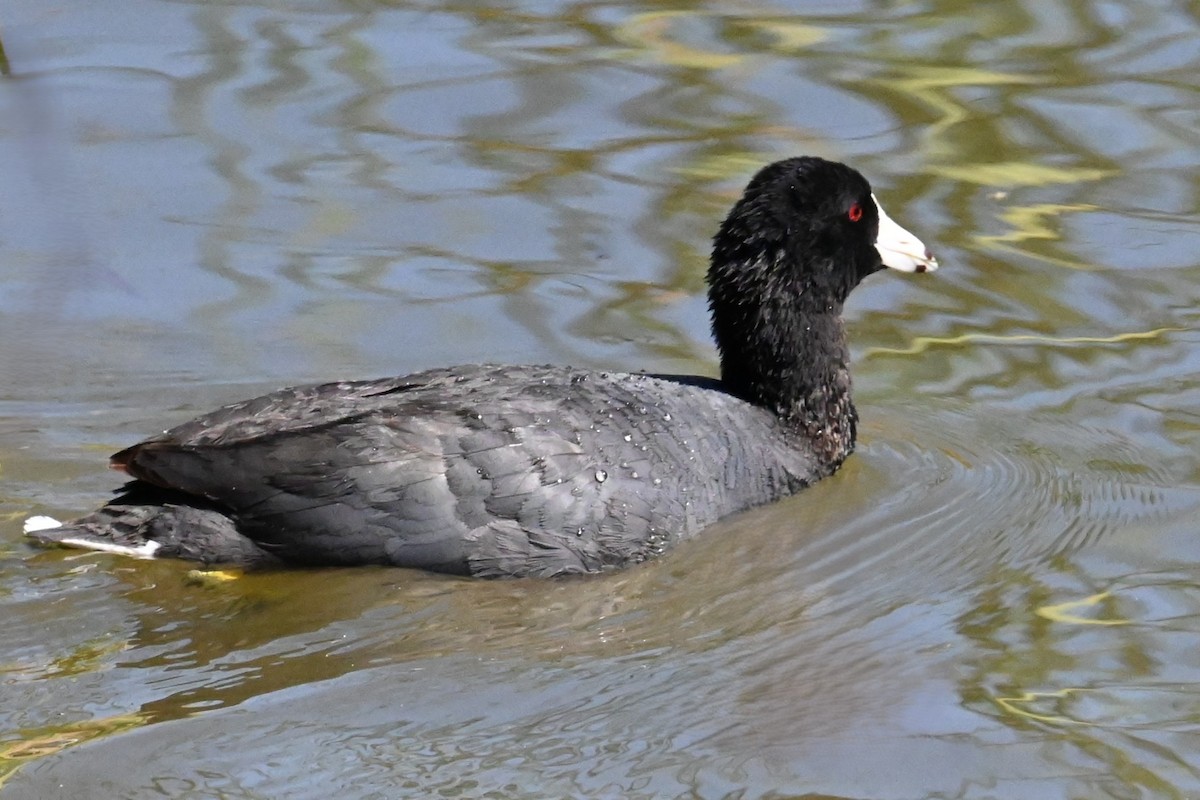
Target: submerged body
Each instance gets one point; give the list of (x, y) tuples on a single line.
[(489, 471), (519, 470)]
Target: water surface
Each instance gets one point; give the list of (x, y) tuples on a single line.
[(997, 597)]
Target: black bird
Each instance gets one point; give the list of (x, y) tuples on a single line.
[(501, 471)]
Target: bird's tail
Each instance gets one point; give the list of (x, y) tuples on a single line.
[(147, 522)]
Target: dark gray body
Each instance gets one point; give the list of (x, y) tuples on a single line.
[(480, 470)]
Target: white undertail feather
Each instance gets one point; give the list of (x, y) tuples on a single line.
[(145, 550), (43, 523)]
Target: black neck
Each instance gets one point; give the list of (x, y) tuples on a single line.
[(783, 347)]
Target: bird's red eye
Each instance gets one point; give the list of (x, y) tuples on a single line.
[(855, 212)]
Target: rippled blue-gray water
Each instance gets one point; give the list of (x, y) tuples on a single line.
[(997, 597)]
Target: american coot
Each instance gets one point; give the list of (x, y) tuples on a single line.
[(538, 470)]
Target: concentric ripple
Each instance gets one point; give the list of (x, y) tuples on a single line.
[(944, 488)]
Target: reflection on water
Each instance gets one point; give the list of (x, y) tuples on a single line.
[(996, 597)]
